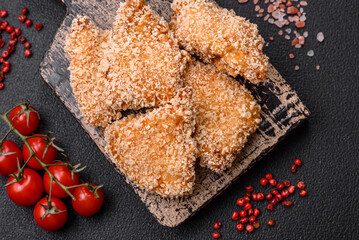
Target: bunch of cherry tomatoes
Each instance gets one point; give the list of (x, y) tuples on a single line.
[(25, 186)]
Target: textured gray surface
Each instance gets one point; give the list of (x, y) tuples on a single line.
[(327, 143)]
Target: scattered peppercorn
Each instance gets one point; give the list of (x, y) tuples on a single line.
[(28, 22), (243, 220), (271, 222), (1, 86), (240, 202), (293, 168), (269, 196), (291, 189), (249, 189), (260, 196), (272, 182), (240, 227), (217, 225), (27, 45), (243, 213), (256, 224), (27, 52), (9, 29), (25, 11), (298, 162), (249, 228), (22, 18), (270, 207), (280, 185), (247, 206), (285, 193), (287, 203), (303, 193), (264, 181), (3, 13), (256, 212), (17, 31), (301, 185), (250, 212), (269, 176), (216, 235), (286, 183), (38, 26)]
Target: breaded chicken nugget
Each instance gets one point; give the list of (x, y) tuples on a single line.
[(226, 114), (145, 60), (220, 37), (85, 45), (156, 150)]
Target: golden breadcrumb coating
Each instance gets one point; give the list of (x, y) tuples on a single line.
[(226, 114), (156, 150), (85, 45), (145, 60), (220, 37)]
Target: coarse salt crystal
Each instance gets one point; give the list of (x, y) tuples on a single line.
[(296, 68), (305, 34), (288, 30), (303, 3), (287, 37), (320, 37), (310, 53), (298, 46)]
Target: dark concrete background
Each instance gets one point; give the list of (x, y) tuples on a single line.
[(327, 143)]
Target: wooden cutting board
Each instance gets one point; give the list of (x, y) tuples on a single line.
[(282, 112)]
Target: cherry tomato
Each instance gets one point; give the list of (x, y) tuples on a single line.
[(25, 119), (86, 203), (38, 145), (28, 190), (63, 174), (52, 222), (10, 154)]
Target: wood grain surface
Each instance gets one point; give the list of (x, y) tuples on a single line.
[(282, 111)]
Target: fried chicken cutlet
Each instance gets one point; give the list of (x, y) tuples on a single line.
[(85, 45), (156, 150), (220, 37), (146, 63), (226, 114)]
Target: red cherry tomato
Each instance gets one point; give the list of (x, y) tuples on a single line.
[(86, 203), (8, 163), (27, 191), (52, 222), (63, 174), (25, 119), (38, 145)]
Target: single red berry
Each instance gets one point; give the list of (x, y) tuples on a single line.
[(249, 228), (249, 195), (243, 213), (303, 193), (285, 193), (301, 185), (256, 224), (27, 52), (274, 201), (250, 212), (260, 196), (240, 202), (216, 235), (240, 227), (13, 42), (235, 216), (27, 45), (17, 31), (280, 185), (269, 196), (22, 18), (247, 206), (249, 189), (22, 39), (254, 196), (10, 48), (286, 183), (271, 222), (28, 22), (274, 192), (298, 162), (272, 182), (279, 197), (5, 69), (9, 29), (12, 35), (5, 54), (270, 207), (246, 199), (257, 212), (3, 13), (291, 189), (269, 176), (287, 203), (1, 86), (3, 25), (293, 168), (2, 43), (243, 220), (264, 181), (25, 11), (217, 225), (38, 26), (252, 219), (2, 59)]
